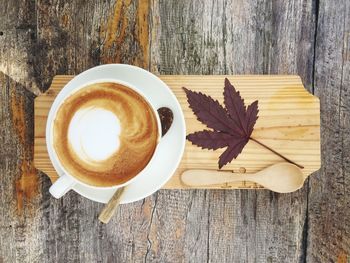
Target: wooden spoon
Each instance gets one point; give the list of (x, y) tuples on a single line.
[(280, 178), (166, 119)]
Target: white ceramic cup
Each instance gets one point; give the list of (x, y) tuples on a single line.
[(66, 181)]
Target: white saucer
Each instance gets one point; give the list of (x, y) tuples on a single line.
[(170, 148)]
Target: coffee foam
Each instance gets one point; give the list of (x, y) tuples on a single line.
[(104, 134), (94, 134)]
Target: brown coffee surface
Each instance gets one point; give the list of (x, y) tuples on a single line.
[(138, 136)]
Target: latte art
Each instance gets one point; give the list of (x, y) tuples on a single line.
[(105, 134), (94, 133)]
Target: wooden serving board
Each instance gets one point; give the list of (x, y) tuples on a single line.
[(289, 122)]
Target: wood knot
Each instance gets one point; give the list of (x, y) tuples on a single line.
[(50, 92), (242, 170)]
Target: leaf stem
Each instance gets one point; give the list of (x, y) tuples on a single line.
[(278, 154)]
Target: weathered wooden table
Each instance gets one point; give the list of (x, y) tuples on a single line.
[(39, 39)]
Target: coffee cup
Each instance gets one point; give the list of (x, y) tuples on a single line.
[(100, 120)]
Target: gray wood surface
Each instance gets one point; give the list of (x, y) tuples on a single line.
[(39, 39), (329, 199)]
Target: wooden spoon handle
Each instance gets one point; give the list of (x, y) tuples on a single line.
[(166, 117), (211, 177), (110, 208)]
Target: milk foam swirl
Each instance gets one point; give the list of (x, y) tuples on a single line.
[(105, 134), (93, 134)]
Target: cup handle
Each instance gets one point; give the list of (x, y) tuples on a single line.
[(63, 184)]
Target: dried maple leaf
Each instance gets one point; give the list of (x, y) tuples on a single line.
[(232, 126), (244, 118), (210, 139), (209, 111)]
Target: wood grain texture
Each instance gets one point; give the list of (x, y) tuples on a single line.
[(20, 184), (41, 39), (19, 180), (288, 122), (17, 41), (72, 230), (329, 203), (236, 37)]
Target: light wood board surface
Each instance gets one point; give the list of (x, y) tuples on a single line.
[(289, 122)]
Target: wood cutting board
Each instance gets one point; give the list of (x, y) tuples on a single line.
[(289, 122)]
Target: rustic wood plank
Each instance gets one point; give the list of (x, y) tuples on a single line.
[(71, 223), (20, 189), (19, 180), (79, 35), (329, 203), (237, 37), (68, 41), (17, 41), (189, 37)]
